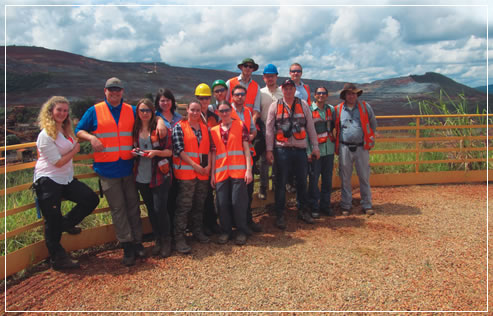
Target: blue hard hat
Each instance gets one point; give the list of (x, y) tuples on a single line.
[(270, 69)]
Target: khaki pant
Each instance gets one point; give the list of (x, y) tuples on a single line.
[(123, 199), (190, 200)]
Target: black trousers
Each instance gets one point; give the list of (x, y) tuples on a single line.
[(210, 214), (232, 203), (156, 201), (50, 196)]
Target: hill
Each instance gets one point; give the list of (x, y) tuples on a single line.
[(483, 88), (34, 74)]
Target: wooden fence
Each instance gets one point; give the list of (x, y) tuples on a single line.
[(468, 146)]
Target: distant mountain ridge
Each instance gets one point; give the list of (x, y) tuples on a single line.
[(483, 88), (34, 74)]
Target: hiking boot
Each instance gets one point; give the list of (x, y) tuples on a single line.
[(62, 261), (223, 239), (345, 212), (165, 250), (305, 216), (128, 254), (327, 211), (262, 196), (201, 237), (157, 247), (368, 211), (181, 245), (255, 227), (140, 250), (281, 222), (315, 214), (240, 238)]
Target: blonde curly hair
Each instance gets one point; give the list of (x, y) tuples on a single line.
[(47, 122)]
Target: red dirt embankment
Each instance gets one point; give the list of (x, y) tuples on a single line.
[(425, 249)]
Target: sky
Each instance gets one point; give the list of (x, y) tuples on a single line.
[(370, 41)]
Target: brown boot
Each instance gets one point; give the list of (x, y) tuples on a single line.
[(165, 250)]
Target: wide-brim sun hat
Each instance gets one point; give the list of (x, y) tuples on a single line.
[(349, 87), (246, 61)]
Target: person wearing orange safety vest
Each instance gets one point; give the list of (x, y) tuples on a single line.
[(231, 173), (252, 99), (355, 126), (289, 123), (244, 114), (108, 126), (191, 166), (302, 89), (319, 199)]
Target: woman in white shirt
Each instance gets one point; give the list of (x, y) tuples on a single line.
[(54, 180)]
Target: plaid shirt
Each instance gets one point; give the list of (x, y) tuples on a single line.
[(178, 142)]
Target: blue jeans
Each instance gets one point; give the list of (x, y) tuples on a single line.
[(294, 159), (320, 199)]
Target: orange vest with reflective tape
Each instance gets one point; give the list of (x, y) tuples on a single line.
[(307, 88), (230, 158), (181, 169), (317, 119), (368, 133), (283, 117), (117, 139), (247, 115), (251, 92)]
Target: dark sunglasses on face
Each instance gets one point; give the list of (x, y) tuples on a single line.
[(203, 98), (249, 66), (115, 89), (295, 71), (219, 90), (145, 110), (224, 111), (321, 93), (239, 94)]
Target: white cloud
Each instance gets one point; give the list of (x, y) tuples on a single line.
[(335, 43)]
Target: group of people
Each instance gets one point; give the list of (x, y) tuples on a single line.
[(177, 163)]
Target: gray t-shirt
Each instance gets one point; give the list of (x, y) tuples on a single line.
[(145, 164)]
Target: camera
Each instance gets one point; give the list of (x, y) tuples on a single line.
[(286, 129)]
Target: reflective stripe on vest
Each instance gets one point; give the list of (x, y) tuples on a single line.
[(116, 139), (251, 92), (323, 136), (368, 133), (283, 116), (182, 170), (248, 116), (230, 158)]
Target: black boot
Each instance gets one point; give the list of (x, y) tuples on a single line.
[(165, 250), (157, 247), (128, 254), (61, 260)]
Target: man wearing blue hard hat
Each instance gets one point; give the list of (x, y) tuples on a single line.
[(269, 94)]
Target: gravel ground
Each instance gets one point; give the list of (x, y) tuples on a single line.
[(424, 250)]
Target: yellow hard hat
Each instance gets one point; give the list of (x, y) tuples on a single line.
[(203, 90)]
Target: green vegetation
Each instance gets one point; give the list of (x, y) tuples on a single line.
[(17, 82)]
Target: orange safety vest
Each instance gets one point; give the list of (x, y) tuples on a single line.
[(182, 170), (368, 133), (307, 88), (117, 139), (251, 94), (324, 135), (283, 117), (247, 115), (230, 158)]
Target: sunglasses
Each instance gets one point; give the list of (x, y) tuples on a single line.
[(145, 111), (249, 66), (219, 90), (239, 94), (321, 93), (224, 111), (203, 98), (296, 71), (115, 89)]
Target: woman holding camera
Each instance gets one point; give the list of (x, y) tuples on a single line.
[(54, 180), (152, 173)]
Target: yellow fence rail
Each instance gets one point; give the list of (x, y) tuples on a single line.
[(409, 134)]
